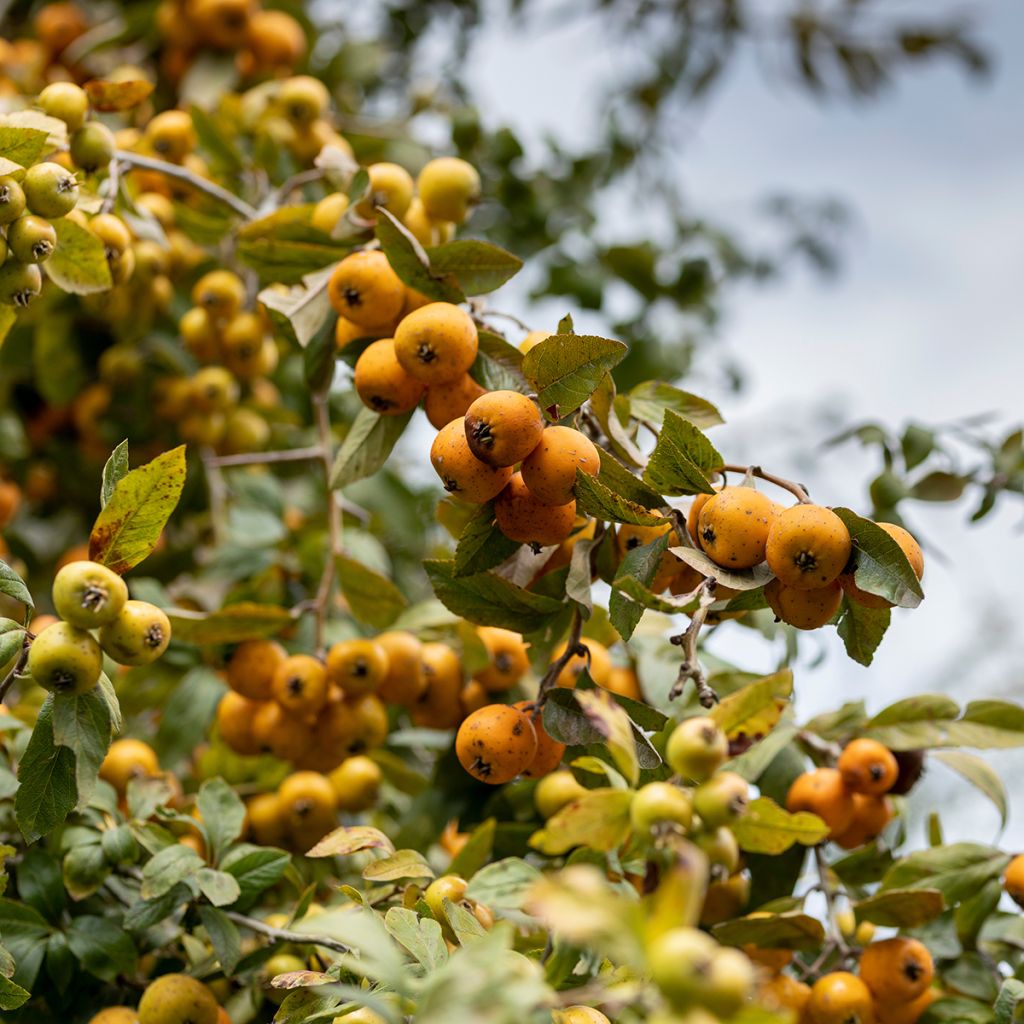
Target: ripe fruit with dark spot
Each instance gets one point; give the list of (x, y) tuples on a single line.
[(356, 666), (840, 998), (870, 815), (496, 743), (139, 634), (867, 766), (92, 146), (464, 476), (382, 383), (405, 682), (508, 660), (733, 526), (364, 289), (303, 99), (503, 428), (808, 547), (31, 239), (221, 293), (251, 668), (172, 135), (65, 659), (391, 186), (20, 283), (12, 200), (803, 609), (523, 518), (722, 799), (50, 190), (300, 685), (549, 750), (307, 799), (356, 782), (437, 342), (897, 970), (88, 595), (822, 792)]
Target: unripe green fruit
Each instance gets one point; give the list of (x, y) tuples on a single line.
[(680, 963), (660, 802), (721, 848), (12, 200), (50, 190), (730, 982), (88, 595), (696, 748), (65, 659), (31, 239), (721, 800), (20, 283), (92, 146), (139, 634), (177, 999), (3, 250), (555, 791), (65, 101), (450, 887)]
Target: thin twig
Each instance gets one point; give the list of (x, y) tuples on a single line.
[(295, 182), (573, 647), (484, 313), (830, 903), (113, 186), (816, 745), (797, 490), (691, 667), (212, 189), (259, 458), (253, 924), (218, 492), (17, 670)]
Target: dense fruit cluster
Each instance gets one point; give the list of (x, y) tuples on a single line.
[(851, 797)]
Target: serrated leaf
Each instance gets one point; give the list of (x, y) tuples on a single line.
[(421, 937), (46, 773), (637, 569), (79, 262), (302, 310), (881, 566), (129, 526), (767, 828), (82, 723), (21, 147), (862, 629), (788, 930), (351, 839), (366, 447), (256, 868), (900, 908), (114, 470), (980, 774), (482, 545), (958, 870), (401, 864), (372, 598), (410, 261), (1011, 995), (166, 868), (565, 369), (490, 600), (617, 478), (233, 624), (595, 499), (682, 458), (477, 267), (498, 365), (13, 586), (734, 713), (598, 820), (652, 399)]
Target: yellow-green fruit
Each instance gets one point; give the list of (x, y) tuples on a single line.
[(329, 211), (12, 200), (303, 99), (356, 783), (555, 791), (65, 101), (696, 748), (88, 595), (363, 1015), (447, 887), (115, 1015), (92, 146), (578, 1015), (50, 190), (31, 239), (448, 188), (65, 659), (659, 802), (722, 799), (680, 962), (20, 283), (730, 982), (391, 187), (139, 634), (177, 999)]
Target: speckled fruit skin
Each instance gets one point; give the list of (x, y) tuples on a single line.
[(436, 343), (449, 401), (804, 609), (88, 595), (503, 428), (870, 815), (840, 997), (300, 685), (733, 527), (550, 469), (250, 670), (381, 382), (509, 661), (496, 743), (909, 547), (65, 659), (464, 476), (822, 792), (525, 519), (356, 666), (177, 999), (365, 290), (549, 751), (868, 766), (139, 634), (808, 547)]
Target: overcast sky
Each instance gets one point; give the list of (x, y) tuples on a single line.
[(925, 322)]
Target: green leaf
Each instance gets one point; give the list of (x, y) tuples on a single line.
[(46, 773), (59, 371), (398, 865), (914, 722), (503, 885), (639, 567), (1011, 995), (988, 724), (482, 545), (12, 585), (477, 267), (767, 828), (366, 447), (40, 883), (498, 365), (900, 908), (422, 937), (862, 629), (216, 142), (81, 722), (372, 598), (114, 470), (224, 937), (598, 820), (881, 566), (21, 147), (167, 868), (25, 932), (734, 711), (410, 261), (617, 478), (12, 640), (652, 399), (593, 498), (489, 600), (565, 370), (614, 727), (102, 946), (79, 262), (788, 930), (284, 247), (256, 869), (981, 775), (11, 995), (223, 814), (939, 486), (682, 458), (476, 852), (319, 358), (129, 526), (958, 870), (187, 714), (221, 888), (230, 625), (300, 312), (754, 761)]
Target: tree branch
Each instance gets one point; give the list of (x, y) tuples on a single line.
[(573, 647), (18, 669), (261, 458), (797, 490), (284, 935), (691, 667)]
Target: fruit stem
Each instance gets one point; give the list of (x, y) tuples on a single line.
[(213, 190), (572, 648), (691, 667), (836, 937), (280, 196), (18, 669), (829, 752), (797, 490)]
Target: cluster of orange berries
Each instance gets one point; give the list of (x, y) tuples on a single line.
[(893, 985), (850, 798), (27, 64)]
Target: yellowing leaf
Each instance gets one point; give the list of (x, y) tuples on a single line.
[(756, 704), (352, 839), (767, 828), (599, 820)]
